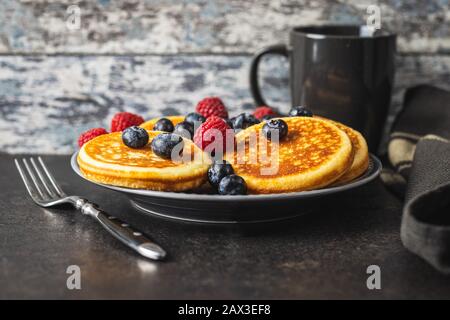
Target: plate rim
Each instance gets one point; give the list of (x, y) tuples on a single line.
[(376, 170)]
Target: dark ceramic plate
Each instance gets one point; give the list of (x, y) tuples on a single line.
[(199, 206)]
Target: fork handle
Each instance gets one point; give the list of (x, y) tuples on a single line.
[(131, 237)]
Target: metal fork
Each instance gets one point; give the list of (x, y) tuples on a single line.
[(46, 192)]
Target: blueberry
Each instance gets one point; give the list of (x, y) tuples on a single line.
[(251, 120), (195, 118), (238, 121), (232, 185), (300, 111), (184, 129), (164, 143), (163, 124), (243, 121), (135, 137), (218, 170), (275, 125)]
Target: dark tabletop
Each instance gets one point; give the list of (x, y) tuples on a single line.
[(322, 255)]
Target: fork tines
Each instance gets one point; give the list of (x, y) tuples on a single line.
[(43, 185)]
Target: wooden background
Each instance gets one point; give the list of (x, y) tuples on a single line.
[(158, 57)]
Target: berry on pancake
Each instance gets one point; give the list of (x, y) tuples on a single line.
[(243, 121), (123, 120), (148, 125), (164, 143), (163, 124), (206, 133), (135, 137), (89, 135), (184, 129), (194, 118), (212, 106), (262, 111), (275, 126)]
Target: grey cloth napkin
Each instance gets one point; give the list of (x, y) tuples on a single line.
[(419, 154)]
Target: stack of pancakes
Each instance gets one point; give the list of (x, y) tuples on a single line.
[(316, 153), (106, 159)]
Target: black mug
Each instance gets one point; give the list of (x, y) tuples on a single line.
[(339, 72)]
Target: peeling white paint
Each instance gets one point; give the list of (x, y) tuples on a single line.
[(205, 26)]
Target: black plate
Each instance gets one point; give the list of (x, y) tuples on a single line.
[(213, 208)]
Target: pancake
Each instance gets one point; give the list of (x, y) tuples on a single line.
[(106, 159), (314, 154), (361, 159), (148, 125)]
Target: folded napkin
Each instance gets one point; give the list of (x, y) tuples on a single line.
[(419, 154)]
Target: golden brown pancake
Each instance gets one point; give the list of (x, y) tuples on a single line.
[(148, 125), (106, 159), (314, 154), (361, 159)]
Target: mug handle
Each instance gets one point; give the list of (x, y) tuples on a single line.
[(280, 49)]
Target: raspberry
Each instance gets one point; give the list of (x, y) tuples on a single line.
[(123, 120), (262, 111), (212, 106), (90, 134), (204, 135)]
